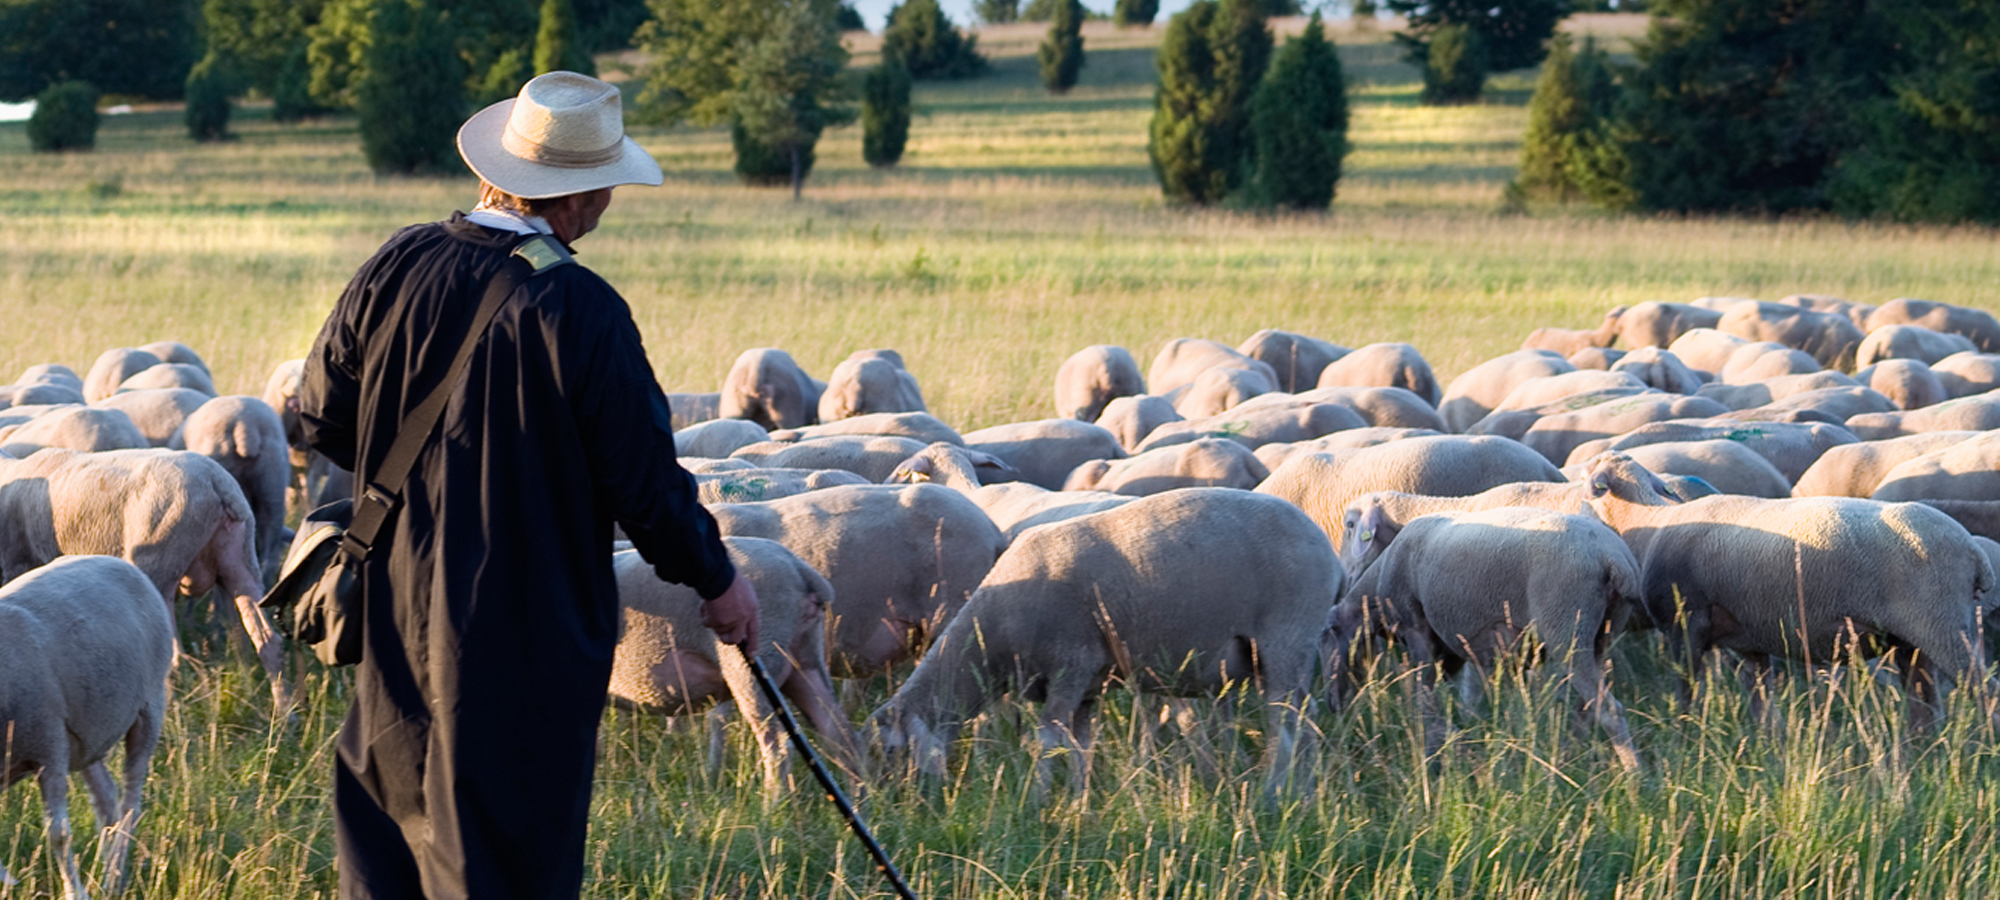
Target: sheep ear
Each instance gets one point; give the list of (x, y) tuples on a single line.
[(1598, 488), (990, 465), (915, 469)]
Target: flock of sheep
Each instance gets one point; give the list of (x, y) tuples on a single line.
[(1254, 515)]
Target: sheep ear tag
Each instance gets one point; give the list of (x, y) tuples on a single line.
[(1365, 535)]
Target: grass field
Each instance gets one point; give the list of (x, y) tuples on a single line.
[(1019, 228)]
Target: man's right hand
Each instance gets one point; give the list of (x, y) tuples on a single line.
[(733, 616)]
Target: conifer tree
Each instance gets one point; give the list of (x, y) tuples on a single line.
[(1504, 35), (997, 12), (1135, 13), (1299, 118), (1061, 52), (1210, 61), (410, 94), (885, 112), (556, 44), (1455, 65), (1568, 120), (788, 89), (209, 87), (929, 43)]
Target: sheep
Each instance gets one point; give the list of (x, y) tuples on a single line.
[(89, 645), (1204, 462), (1656, 324), (693, 408), (1391, 407), (1830, 338), (1908, 383), (765, 386), (178, 516), (920, 426), (1555, 436), (1977, 325), (1131, 419), (1465, 587), (1476, 391), (718, 437), (1658, 368), (1254, 425), (1539, 391), (1731, 467), (1979, 412), (754, 484), (1044, 452), (1182, 360), (175, 353), (1296, 358), (1792, 448), (1093, 377), (1964, 470), (873, 458), (1140, 591), (1705, 349), (1221, 389), (1838, 403), (668, 662), (247, 438), (902, 560), (1854, 470), (1568, 341), (1910, 342), (1322, 484), (869, 381), (50, 373), (1514, 424), (1383, 365), (1858, 313), (1758, 360), (39, 395), (112, 368), (171, 375), (1013, 506), (1770, 390), (1965, 374), (85, 428), (1274, 455), (1802, 578), (1601, 358)]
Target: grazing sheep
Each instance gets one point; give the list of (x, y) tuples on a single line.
[(112, 368), (1143, 592), (178, 516), (1203, 462), (52, 374), (1830, 338), (1568, 341), (1966, 374), (873, 458), (1979, 517), (1220, 389), (85, 428), (1660, 369), (1274, 455), (1731, 467), (1383, 365), (175, 353), (1015, 508), (281, 393), (1044, 452), (1857, 313), (1390, 407), (1296, 358), (693, 408), (1182, 360), (1705, 349), (1979, 412), (754, 484), (89, 645), (668, 662), (39, 395), (1854, 470), (1761, 360), (1093, 377), (1254, 425), (1838, 403), (919, 426), (718, 438), (1792, 448), (1513, 424), (1542, 391), (1131, 419), (1323, 484), (248, 439), (1600, 358), (902, 560), (1655, 324), (1465, 587), (869, 381), (1908, 383), (697, 465), (1556, 435), (1910, 342), (1801, 578), (1770, 390), (1964, 470), (1978, 325), (171, 375), (765, 386), (1476, 391)]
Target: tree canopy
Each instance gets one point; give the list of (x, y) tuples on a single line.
[(141, 48)]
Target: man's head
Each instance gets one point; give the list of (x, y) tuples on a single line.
[(555, 151)]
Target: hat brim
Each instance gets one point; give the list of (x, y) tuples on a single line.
[(479, 145)]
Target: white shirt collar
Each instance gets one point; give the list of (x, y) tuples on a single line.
[(509, 220)]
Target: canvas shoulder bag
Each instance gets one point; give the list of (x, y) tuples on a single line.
[(318, 598)]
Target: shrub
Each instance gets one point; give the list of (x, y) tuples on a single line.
[(1299, 119), (1455, 65), (1568, 117), (65, 118), (411, 95), (1135, 13), (1210, 61), (885, 113), (929, 43), (208, 92), (997, 12), (1061, 52), (848, 19), (763, 165)]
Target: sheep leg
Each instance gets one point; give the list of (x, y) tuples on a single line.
[(717, 722), (232, 556), (1760, 680), (812, 693), (55, 810), (103, 793), (1290, 743), (763, 720), (1069, 699), (140, 741), (1920, 681)]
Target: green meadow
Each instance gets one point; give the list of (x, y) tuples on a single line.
[(1019, 228)]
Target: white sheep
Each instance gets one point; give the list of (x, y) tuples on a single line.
[(1296, 358), (1204, 462), (112, 368), (1476, 391), (85, 428), (869, 381), (247, 438), (171, 375), (1093, 377), (158, 414), (921, 426), (871, 457), (1045, 451), (89, 645), (765, 386), (1322, 484), (755, 484), (1171, 593)]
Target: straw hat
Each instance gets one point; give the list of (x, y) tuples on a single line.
[(564, 134)]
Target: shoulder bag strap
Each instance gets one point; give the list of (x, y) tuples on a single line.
[(383, 493)]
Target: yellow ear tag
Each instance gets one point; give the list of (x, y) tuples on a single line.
[(1366, 535)]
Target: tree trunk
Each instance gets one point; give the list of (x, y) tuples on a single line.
[(798, 177)]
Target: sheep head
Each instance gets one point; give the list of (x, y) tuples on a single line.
[(1368, 529), (902, 740)]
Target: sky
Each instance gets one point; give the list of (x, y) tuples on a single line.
[(960, 11)]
